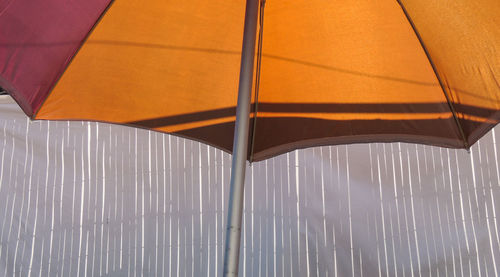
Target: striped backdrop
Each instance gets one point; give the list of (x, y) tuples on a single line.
[(94, 199)]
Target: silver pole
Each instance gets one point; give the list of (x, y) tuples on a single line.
[(240, 143)]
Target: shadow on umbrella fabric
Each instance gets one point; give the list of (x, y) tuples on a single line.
[(164, 64), (328, 123)]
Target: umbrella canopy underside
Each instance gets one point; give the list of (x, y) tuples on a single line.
[(331, 72)]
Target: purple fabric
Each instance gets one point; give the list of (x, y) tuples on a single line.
[(37, 41)]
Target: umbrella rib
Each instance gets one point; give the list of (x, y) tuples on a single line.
[(257, 78), (72, 57), (434, 68)]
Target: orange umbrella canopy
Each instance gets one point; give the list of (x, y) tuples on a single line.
[(330, 71)]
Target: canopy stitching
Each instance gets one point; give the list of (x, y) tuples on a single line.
[(434, 68)]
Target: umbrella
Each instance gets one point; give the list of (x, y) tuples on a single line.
[(326, 73)]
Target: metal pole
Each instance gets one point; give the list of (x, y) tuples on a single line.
[(240, 143)]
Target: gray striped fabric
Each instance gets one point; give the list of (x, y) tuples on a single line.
[(93, 199)]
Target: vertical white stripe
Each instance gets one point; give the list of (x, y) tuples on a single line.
[(383, 215), (63, 162), (404, 207), (252, 185), (282, 227), (86, 255), (47, 171), (334, 251), (297, 190), (274, 232), (170, 206), (103, 199), (244, 226), (30, 182), (440, 224), (157, 212), (192, 209), (119, 183), (63, 260), (349, 207), (483, 181), (136, 197), (455, 224), (3, 154), (164, 204), (377, 243), (308, 261), (497, 185), (422, 205), (34, 233), (18, 237), (95, 197), (73, 201), (323, 198), (122, 196), (413, 213), (6, 210), (53, 204), (448, 223), (289, 173), (41, 259), (393, 244), (396, 197), (477, 207), (200, 169)]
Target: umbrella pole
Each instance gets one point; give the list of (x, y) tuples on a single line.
[(240, 142)]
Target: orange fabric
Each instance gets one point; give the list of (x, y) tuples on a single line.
[(352, 52), (343, 52), (332, 71), (463, 38), (153, 60)]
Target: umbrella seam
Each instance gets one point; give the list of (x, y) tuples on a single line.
[(434, 69), (71, 58), (257, 78)]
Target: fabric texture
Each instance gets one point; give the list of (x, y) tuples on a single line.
[(331, 72), (37, 42)]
